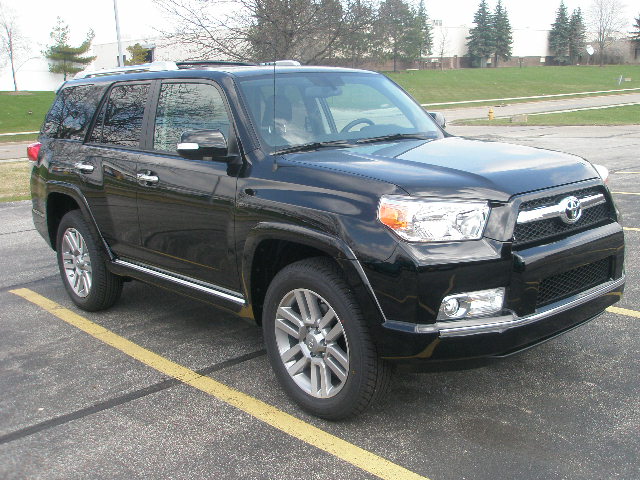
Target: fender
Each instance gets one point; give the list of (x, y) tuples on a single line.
[(333, 246), (73, 191)]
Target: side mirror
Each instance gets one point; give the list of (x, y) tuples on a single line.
[(439, 118), (203, 145)]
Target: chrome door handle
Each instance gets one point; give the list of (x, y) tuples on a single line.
[(146, 178), (84, 167)]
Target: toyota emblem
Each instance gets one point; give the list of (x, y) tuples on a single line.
[(571, 210)]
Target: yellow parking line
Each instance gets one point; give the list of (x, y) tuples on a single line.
[(624, 311), (627, 193), (631, 229), (264, 412)]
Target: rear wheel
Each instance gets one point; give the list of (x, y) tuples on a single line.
[(318, 343), (83, 267)]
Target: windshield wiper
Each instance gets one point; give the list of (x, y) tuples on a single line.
[(398, 136), (305, 147)]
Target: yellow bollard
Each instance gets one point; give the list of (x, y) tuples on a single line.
[(491, 115)]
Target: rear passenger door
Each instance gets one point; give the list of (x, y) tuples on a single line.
[(185, 207), (111, 155)]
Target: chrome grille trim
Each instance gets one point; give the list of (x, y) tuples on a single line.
[(553, 211)]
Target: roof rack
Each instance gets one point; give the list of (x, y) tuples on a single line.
[(145, 67), (283, 63), (211, 63)]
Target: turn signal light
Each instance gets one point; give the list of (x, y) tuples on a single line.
[(33, 150)]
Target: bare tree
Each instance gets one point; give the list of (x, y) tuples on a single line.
[(12, 43), (606, 18), (442, 44), (260, 30)]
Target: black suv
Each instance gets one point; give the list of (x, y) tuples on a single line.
[(327, 205)]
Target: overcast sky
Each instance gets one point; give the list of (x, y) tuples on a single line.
[(139, 17)]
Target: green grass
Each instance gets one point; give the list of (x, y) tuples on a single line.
[(627, 115), (436, 86), (14, 111), (14, 181)]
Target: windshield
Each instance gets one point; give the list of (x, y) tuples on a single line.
[(318, 107)]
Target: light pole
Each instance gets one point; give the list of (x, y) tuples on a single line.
[(120, 55)]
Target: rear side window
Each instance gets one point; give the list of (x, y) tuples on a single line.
[(187, 106), (120, 120), (72, 112)]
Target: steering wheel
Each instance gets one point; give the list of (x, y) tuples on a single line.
[(355, 122)]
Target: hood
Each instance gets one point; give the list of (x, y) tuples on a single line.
[(455, 167)]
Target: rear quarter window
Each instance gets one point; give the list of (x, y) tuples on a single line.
[(72, 111)]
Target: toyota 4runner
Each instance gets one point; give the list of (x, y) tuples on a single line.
[(329, 207)]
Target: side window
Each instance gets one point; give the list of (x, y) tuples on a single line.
[(120, 121), (187, 106), (72, 112)]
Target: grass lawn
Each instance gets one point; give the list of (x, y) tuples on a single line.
[(14, 111), (14, 181), (437, 86), (627, 115)]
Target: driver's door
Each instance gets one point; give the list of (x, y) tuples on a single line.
[(185, 207)]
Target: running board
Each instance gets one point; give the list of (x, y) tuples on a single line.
[(208, 288)]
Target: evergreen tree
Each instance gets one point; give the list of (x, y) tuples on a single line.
[(64, 58), (503, 39), (424, 28), (396, 24), (635, 35), (137, 55), (559, 35), (480, 41), (577, 36)]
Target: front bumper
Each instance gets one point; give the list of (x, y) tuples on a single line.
[(500, 336)]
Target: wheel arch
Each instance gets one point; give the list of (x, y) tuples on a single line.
[(62, 198), (271, 246)]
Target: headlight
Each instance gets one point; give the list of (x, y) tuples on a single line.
[(433, 220)]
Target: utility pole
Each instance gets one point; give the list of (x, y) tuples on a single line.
[(120, 55)]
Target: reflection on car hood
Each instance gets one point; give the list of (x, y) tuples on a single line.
[(455, 167)]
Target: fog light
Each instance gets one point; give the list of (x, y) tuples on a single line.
[(471, 304)]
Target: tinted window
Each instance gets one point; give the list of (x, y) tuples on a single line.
[(187, 106), (72, 111), (121, 119)]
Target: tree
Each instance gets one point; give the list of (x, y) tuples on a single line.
[(635, 35), (577, 36), (12, 43), (397, 25), (261, 30), (503, 38), (64, 58), (606, 19), (559, 35), (358, 42), (423, 27), (137, 55), (481, 42)]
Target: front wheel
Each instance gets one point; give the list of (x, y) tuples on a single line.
[(83, 268), (318, 343)]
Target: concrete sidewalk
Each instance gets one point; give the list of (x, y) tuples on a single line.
[(453, 114), (12, 151)]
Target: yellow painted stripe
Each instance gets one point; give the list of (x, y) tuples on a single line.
[(631, 229), (264, 412), (624, 311), (627, 193)]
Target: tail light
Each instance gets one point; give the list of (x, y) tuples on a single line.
[(33, 150)]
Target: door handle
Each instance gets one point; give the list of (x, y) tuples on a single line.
[(146, 178), (84, 167)]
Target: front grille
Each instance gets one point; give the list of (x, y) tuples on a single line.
[(574, 281), (550, 227)]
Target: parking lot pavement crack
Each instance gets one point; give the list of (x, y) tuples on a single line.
[(122, 399), (28, 284), (17, 231)]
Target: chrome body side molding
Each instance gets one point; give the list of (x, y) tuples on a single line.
[(220, 292)]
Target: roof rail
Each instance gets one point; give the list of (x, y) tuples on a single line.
[(211, 63), (145, 67), (283, 63)]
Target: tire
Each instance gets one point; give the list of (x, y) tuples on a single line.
[(83, 267), (335, 370)]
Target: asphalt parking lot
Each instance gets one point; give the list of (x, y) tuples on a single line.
[(80, 403)]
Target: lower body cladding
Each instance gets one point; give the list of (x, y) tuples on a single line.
[(550, 289)]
